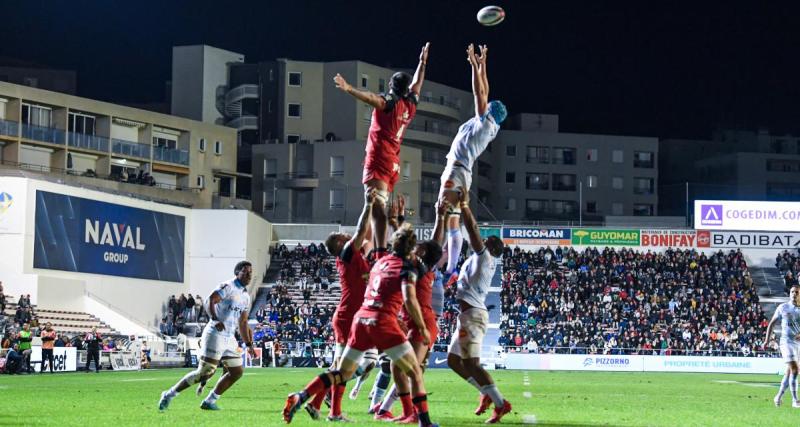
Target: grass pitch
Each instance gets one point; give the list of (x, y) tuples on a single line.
[(540, 398)]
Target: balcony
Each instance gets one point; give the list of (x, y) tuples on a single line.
[(299, 180), (130, 149), (439, 107), (9, 128), (88, 142), (43, 134), (171, 155), (244, 123), (419, 132)]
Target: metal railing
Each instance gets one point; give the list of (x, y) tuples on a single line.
[(240, 92), (440, 101), (171, 155), (244, 122), (300, 175), (422, 127), (43, 134), (89, 142), (641, 352), (130, 148), (9, 128)]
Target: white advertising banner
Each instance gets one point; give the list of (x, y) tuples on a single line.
[(750, 239), (746, 215), (124, 360), (65, 359), (638, 363)]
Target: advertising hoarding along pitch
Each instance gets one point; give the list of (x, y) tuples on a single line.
[(90, 236), (604, 237), (746, 215), (536, 236)]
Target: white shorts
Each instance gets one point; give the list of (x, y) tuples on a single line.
[(470, 330), (790, 352), (455, 177), (220, 347)]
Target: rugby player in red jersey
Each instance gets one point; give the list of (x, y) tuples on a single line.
[(391, 286), (392, 115)]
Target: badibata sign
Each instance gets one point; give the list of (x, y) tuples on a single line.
[(750, 239), (746, 215)]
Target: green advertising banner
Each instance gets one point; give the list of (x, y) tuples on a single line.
[(490, 231), (604, 237)]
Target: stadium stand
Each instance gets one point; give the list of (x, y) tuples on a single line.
[(619, 301)]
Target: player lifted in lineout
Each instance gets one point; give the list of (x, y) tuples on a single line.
[(789, 315), (392, 114), (391, 285), (228, 307), (469, 143)]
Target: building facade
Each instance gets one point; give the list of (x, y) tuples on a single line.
[(93, 141)]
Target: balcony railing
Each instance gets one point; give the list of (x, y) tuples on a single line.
[(439, 101), (300, 175), (130, 148), (89, 142), (43, 134), (423, 128), (9, 128), (171, 155), (645, 164)]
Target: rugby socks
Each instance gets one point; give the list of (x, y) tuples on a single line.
[(212, 397), (454, 241), (475, 384), (494, 393), (421, 405), (408, 405), (793, 386), (337, 392), (784, 384), (317, 401), (318, 385), (379, 389), (391, 397)]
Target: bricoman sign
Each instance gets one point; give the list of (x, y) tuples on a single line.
[(668, 238), (537, 236), (751, 239)]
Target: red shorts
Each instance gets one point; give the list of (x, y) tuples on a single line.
[(430, 324), (379, 331), (341, 326), (387, 171)]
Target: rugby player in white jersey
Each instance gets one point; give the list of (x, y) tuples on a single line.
[(473, 286), (228, 307), (789, 315), (469, 143)]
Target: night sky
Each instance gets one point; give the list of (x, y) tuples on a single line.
[(669, 70)]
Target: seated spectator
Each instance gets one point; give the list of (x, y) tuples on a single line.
[(14, 360)]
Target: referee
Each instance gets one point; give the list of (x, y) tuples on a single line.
[(92, 340)]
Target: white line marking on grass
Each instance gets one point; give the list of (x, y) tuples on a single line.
[(138, 379), (758, 385), (527, 395), (529, 419)]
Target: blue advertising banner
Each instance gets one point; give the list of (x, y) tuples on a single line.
[(89, 236), (437, 359), (537, 236)]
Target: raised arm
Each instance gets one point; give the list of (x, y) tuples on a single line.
[(419, 75), (470, 224), (365, 96), (439, 224), (482, 68), (478, 91), (363, 221)]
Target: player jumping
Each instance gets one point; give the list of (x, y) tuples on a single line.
[(391, 285), (228, 307), (471, 140), (392, 115), (789, 315)]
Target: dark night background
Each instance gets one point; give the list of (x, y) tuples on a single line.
[(668, 70)]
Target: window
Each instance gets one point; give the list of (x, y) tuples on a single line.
[(295, 110), (537, 181), (591, 154), (534, 206), (780, 165), (537, 154), (643, 159), (381, 85), (430, 185), (407, 200), (218, 147), (169, 144), (617, 183), (202, 144), (563, 182), (776, 146), (292, 139), (271, 74), (337, 165), (642, 210), (563, 156), (201, 181), (295, 78), (36, 115), (783, 190), (511, 177), (337, 198), (591, 181), (364, 81), (406, 171), (269, 200), (617, 156), (511, 150), (643, 185), (617, 208), (511, 204), (564, 207), (270, 168), (591, 207)]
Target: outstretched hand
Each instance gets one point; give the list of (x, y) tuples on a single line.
[(471, 54), (341, 83), (482, 56), (423, 55)]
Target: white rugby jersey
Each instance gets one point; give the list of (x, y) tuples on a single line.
[(472, 139), (475, 278), (234, 301), (790, 322)]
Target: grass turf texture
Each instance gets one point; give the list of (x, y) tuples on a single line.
[(557, 399)]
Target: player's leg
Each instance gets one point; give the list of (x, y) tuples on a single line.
[(404, 358), (322, 382), (793, 382), (402, 385), (381, 382), (233, 373), (205, 369), (455, 362), (378, 214), (784, 385), (366, 366)]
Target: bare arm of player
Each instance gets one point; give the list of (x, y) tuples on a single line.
[(482, 68), (419, 75), (363, 221), (412, 306), (470, 224), (770, 326), (439, 224), (365, 96), (246, 333), (213, 300), (477, 83)]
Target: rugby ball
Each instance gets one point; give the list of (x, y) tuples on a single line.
[(491, 15)]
